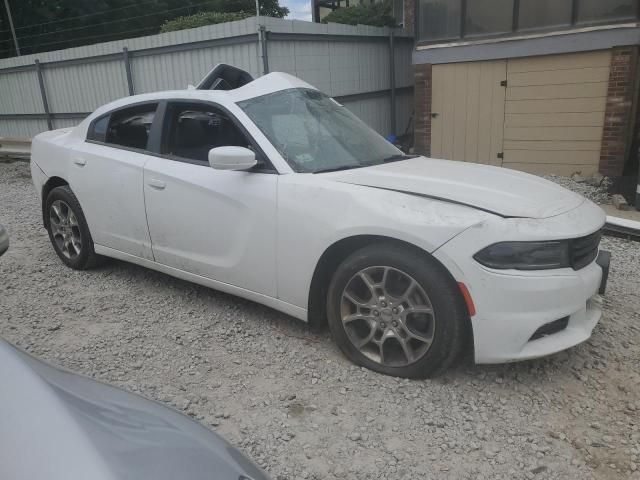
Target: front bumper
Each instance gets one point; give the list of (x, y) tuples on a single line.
[(519, 306), (512, 305)]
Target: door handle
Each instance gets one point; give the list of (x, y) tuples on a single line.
[(434, 114), (157, 184), (81, 162)]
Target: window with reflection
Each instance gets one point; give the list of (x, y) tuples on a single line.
[(439, 19), (598, 11), (449, 20), (488, 17), (544, 14)]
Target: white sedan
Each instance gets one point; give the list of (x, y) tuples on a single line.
[(270, 190)]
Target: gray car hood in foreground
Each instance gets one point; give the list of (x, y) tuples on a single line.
[(502, 191), (55, 425)]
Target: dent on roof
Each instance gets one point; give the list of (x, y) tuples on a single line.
[(269, 83), (240, 84)]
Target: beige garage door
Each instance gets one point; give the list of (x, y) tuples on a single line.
[(468, 111), (554, 112), (546, 118)]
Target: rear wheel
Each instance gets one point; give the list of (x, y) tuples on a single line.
[(68, 230), (396, 311)]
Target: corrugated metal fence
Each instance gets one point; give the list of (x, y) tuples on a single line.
[(368, 69)]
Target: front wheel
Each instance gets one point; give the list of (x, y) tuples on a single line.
[(397, 311)]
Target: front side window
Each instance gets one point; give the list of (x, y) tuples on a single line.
[(488, 17), (439, 19), (194, 129), (130, 127), (314, 133)]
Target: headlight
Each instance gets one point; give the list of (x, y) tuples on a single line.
[(525, 255)]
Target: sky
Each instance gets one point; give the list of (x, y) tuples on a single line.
[(298, 9)]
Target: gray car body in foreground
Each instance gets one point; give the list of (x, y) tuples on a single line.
[(56, 425)]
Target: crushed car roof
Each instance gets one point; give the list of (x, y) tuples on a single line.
[(264, 85)]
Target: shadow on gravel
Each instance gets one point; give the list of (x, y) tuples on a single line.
[(286, 324)]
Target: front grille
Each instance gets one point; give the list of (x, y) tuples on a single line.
[(584, 250), (550, 328)]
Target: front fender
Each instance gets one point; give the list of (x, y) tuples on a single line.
[(314, 214)]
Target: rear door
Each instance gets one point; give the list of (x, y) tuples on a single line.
[(107, 177), (213, 223)]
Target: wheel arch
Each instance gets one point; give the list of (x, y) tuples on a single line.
[(335, 254), (50, 184)]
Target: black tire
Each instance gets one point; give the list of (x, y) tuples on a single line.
[(86, 258), (449, 310)]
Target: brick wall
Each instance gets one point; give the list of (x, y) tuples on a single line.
[(409, 15), (618, 119), (422, 113)]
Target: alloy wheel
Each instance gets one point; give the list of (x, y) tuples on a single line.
[(387, 316), (65, 229)]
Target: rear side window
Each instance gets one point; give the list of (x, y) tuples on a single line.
[(98, 129), (128, 127)]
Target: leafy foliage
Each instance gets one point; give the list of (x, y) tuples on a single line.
[(269, 8), (376, 14), (43, 25), (200, 19)]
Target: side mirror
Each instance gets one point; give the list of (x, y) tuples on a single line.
[(232, 158), (4, 240)]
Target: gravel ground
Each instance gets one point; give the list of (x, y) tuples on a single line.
[(287, 397), (594, 189)]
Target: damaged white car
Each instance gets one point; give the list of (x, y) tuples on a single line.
[(270, 190)]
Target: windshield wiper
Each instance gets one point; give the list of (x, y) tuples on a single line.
[(392, 158), (337, 169), (397, 158)]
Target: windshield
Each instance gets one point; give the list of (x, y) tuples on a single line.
[(314, 133)]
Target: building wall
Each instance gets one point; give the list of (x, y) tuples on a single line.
[(617, 139), (422, 94), (409, 15), (564, 114)]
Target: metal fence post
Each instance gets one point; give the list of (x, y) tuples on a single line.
[(43, 95), (127, 68), (392, 80), (265, 56)]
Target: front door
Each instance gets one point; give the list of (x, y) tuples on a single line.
[(213, 223)]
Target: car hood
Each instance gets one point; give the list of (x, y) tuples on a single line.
[(501, 191), (61, 426)]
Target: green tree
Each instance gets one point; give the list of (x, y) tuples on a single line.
[(269, 8), (201, 19), (376, 14), (43, 25)]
